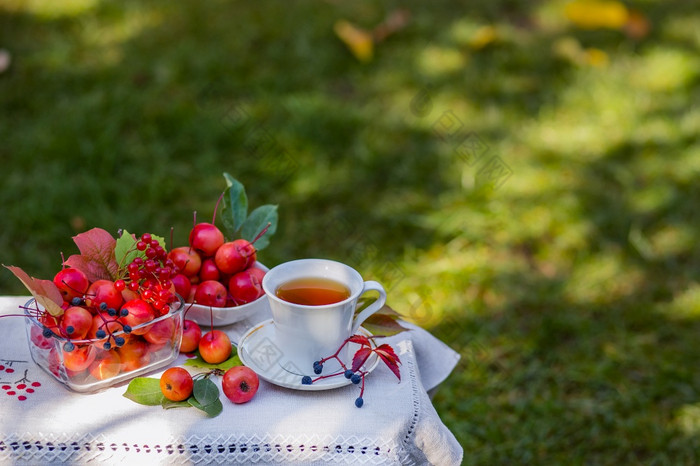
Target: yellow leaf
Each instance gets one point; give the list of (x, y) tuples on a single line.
[(483, 37), (597, 14), (596, 57), (359, 41)]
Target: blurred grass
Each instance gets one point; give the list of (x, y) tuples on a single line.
[(571, 291)]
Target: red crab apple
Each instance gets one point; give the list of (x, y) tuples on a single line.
[(191, 334), (160, 332), (134, 354), (206, 238), (107, 364), (235, 256), (103, 291), (176, 384), (72, 283), (182, 285), (139, 312), (215, 347), (240, 384), (208, 271), (186, 259), (246, 286), (211, 293), (76, 322), (110, 325), (79, 358)]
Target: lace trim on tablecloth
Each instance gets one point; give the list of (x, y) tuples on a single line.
[(38, 448), (408, 440)]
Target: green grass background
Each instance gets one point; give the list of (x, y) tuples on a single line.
[(570, 290)]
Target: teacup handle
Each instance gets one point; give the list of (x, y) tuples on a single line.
[(372, 308)]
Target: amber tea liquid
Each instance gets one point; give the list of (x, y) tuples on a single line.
[(313, 291)]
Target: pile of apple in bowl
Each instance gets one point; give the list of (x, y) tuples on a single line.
[(222, 281)]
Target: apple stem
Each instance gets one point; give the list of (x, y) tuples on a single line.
[(216, 207), (63, 261), (264, 230)]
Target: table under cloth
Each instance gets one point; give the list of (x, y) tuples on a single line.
[(42, 422)]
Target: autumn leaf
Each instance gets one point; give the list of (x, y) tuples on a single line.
[(597, 14), (360, 357), (45, 292), (387, 354), (96, 258), (359, 339)]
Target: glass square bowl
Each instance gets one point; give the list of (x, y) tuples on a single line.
[(85, 366)]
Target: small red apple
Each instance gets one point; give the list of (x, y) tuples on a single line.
[(103, 291), (191, 334), (211, 293), (215, 347), (235, 256), (72, 283), (76, 322), (206, 238), (240, 384), (209, 271), (139, 312), (186, 259), (176, 384)]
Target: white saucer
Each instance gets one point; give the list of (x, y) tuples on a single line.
[(257, 350)]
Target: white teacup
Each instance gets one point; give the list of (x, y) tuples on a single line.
[(307, 333)]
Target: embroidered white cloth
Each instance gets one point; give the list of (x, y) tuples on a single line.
[(41, 422)]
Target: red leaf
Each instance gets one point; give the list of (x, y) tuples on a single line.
[(390, 358), (45, 292), (359, 339), (360, 357), (96, 257)]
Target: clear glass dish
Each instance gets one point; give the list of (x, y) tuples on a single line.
[(85, 366)]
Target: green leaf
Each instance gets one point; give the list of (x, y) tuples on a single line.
[(125, 249), (383, 322), (257, 221), (212, 409), (197, 361), (145, 391), (235, 208), (169, 404), (205, 391)]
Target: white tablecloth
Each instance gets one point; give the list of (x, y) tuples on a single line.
[(397, 424)]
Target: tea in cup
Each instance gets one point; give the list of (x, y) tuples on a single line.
[(313, 304)]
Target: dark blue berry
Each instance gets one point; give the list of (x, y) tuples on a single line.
[(68, 346), (100, 333), (348, 373), (111, 311), (47, 332), (356, 378), (77, 301), (124, 312), (306, 380), (127, 329), (70, 329), (107, 345), (103, 306), (119, 341), (359, 402), (318, 369), (317, 363)]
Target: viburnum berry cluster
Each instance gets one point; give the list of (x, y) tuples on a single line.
[(355, 373)]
